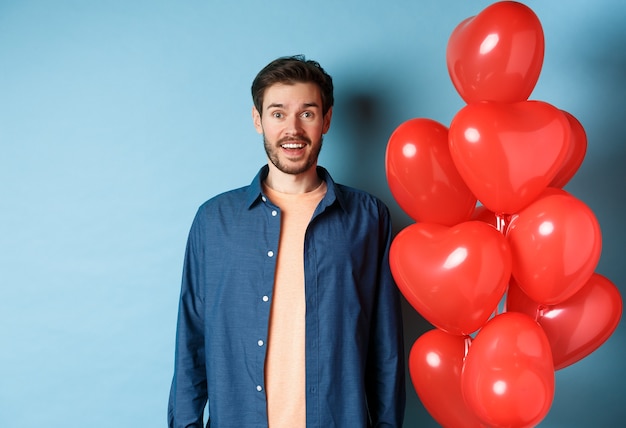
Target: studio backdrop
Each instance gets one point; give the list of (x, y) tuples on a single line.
[(119, 118)]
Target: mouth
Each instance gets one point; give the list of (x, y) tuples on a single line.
[(293, 145)]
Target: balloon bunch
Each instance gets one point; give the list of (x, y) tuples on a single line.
[(527, 243)]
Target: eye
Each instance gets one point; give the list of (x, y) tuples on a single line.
[(307, 115), (277, 115)]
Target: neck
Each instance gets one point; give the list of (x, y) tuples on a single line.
[(292, 183)]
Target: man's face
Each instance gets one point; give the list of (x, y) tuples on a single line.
[(292, 125)]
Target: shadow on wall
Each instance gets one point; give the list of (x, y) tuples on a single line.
[(600, 185), (600, 180), (363, 121)]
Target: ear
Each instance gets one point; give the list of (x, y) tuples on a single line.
[(256, 120), (327, 117)]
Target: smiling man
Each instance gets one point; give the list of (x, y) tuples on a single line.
[(288, 314), (292, 117)]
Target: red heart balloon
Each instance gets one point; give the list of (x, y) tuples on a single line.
[(556, 244), (577, 326), (453, 276), (422, 176), (575, 153), (508, 377), (435, 364), (507, 154), (496, 55)]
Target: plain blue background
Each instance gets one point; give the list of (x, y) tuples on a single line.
[(119, 118)]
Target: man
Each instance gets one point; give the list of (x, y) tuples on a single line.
[(289, 316)]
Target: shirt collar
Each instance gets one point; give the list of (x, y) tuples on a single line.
[(333, 192)]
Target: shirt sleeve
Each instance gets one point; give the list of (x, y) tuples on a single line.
[(188, 393), (386, 393)]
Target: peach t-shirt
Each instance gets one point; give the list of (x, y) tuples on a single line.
[(285, 372)]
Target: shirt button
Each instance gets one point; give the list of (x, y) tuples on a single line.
[(264, 198), (274, 213), (270, 254), (259, 388), (265, 298), (260, 343)]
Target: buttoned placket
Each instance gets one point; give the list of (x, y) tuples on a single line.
[(265, 298)]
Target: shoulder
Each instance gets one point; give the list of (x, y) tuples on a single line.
[(354, 198), (237, 198), (351, 199), (225, 199), (226, 204)]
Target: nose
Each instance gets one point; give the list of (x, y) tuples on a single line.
[(293, 125)]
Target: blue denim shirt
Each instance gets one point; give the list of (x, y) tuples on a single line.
[(354, 343)]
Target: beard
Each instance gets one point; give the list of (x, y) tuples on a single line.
[(273, 154)]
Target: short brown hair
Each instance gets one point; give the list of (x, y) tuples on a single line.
[(290, 70)]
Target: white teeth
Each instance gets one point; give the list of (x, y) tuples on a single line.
[(293, 146)]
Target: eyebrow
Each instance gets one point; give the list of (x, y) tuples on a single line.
[(279, 105)]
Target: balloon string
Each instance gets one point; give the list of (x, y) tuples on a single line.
[(540, 312), (500, 223), (504, 222), (468, 342)]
